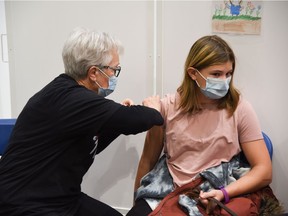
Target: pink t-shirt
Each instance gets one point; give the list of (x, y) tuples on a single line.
[(196, 142)]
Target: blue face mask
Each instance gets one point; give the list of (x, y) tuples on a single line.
[(104, 92), (215, 88)]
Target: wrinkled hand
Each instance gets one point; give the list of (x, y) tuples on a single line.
[(152, 102), (203, 197), (127, 102)]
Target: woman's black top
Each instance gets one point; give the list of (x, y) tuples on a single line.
[(53, 144)]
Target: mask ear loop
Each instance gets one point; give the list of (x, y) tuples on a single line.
[(99, 86), (197, 84), (201, 76), (103, 73)]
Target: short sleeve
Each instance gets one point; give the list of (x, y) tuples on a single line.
[(249, 128), (168, 105)]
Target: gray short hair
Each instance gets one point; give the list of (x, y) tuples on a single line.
[(85, 48)]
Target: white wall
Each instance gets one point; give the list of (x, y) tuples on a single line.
[(5, 99), (37, 30)]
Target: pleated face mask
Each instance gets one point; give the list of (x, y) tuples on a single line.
[(215, 88), (104, 92)]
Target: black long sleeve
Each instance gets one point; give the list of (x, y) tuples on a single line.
[(132, 120), (128, 120)]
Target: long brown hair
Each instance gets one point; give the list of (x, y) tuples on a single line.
[(205, 52)]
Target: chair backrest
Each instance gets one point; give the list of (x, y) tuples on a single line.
[(269, 144), (6, 127)]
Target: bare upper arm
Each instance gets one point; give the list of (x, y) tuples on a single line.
[(256, 153), (153, 145)]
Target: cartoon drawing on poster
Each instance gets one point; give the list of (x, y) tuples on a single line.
[(237, 16)]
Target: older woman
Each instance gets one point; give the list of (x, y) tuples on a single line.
[(63, 127)]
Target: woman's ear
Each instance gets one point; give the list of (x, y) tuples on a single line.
[(91, 74), (192, 72)]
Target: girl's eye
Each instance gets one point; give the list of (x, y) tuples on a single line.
[(229, 74), (216, 74)]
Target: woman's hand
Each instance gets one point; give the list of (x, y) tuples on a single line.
[(152, 102), (127, 102)]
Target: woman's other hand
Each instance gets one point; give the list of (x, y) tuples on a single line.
[(127, 102), (152, 102)]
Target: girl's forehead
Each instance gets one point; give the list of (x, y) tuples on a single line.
[(220, 67)]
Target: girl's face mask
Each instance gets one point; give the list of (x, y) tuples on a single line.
[(215, 88)]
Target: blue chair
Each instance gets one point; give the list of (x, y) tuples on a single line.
[(269, 144), (6, 127)]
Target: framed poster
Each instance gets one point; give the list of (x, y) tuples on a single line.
[(237, 16)]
